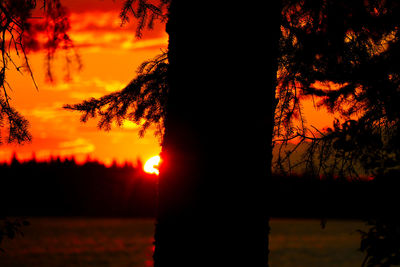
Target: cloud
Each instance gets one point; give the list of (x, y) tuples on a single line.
[(99, 29), (104, 30), (80, 88), (145, 44), (74, 147), (109, 21), (130, 125), (98, 21), (85, 95), (44, 114), (94, 87), (44, 147), (116, 40), (93, 5)]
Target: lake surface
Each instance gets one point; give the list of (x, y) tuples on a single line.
[(128, 242)]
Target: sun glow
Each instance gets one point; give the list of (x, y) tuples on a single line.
[(152, 164)]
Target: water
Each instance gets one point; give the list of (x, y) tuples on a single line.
[(303, 243), (128, 242), (82, 242)]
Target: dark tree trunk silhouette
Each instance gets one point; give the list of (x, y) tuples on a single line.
[(217, 144)]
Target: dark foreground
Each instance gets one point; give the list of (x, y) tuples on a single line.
[(92, 189), (128, 242)]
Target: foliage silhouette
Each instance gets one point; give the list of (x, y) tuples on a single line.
[(344, 56), (142, 101), (381, 243), (18, 36), (145, 13)]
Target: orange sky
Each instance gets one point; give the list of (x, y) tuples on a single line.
[(110, 55)]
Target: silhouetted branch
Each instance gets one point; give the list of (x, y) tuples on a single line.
[(18, 36), (142, 101), (145, 12), (345, 54)]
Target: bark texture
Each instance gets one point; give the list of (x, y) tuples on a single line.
[(217, 146)]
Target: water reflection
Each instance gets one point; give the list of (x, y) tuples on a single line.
[(129, 242)]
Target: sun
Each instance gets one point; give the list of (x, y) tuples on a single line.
[(151, 165)]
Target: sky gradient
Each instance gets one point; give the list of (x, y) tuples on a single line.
[(110, 55)]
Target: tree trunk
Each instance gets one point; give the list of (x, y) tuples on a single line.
[(217, 145)]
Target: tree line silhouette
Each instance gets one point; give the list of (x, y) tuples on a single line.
[(62, 187)]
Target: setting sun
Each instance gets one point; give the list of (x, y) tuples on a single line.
[(152, 164)]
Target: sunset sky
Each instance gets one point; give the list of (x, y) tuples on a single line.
[(110, 56)]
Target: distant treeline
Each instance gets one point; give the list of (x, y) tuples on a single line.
[(65, 188)]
